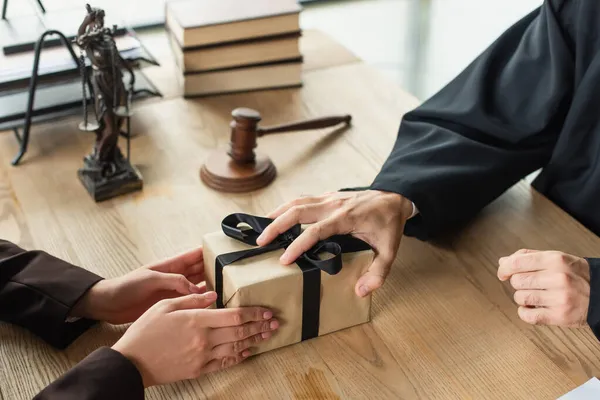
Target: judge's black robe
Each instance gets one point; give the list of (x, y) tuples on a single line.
[(530, 101), (37, 292)]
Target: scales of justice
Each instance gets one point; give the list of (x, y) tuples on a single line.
[(106, 173)]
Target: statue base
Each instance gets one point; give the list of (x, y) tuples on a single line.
[(126, 180)]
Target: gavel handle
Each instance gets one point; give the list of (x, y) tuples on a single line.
[(316, 123)]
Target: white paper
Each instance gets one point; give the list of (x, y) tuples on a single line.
[(588, 391)]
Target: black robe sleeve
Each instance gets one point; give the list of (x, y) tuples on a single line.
[(37, 292), (593, 318), (495, 123)]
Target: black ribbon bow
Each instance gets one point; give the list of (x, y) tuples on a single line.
[(309, 262)]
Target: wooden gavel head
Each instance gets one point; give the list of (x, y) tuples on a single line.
[(240, 169), (244, 132)]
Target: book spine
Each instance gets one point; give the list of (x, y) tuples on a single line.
[(192, 96), (256, 65)]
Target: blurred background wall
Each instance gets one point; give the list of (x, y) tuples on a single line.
[(420, 44)]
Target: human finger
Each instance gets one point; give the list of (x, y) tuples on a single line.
[(227, 362), (242, 332), (189, 302), (175, 282), (301, 214), (537, 280), (375, 276), (235, 316), (537, 316), (311, 236), (537, 298), (519, 263), (237, 347), (297, 202), (189, 263)]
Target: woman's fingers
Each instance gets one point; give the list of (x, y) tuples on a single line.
[(233, 348), (174, 282), (197, 279), (235, 316), (240, 333), (190, 302), (189, 263), (227, 362)]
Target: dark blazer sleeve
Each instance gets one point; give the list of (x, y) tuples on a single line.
[(38, 291), (496, 122), (593, 318), (104, 375)]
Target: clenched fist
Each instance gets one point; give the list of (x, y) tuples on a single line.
[(552, 288)]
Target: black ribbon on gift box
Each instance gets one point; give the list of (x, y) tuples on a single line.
[(246, 228)]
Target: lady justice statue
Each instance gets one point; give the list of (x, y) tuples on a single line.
[(106, 172)]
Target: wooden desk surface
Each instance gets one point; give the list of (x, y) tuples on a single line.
[(443, 327)]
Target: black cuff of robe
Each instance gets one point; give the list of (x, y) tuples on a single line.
[(593, 318), (104, 374)]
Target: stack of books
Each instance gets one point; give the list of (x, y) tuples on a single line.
[(228, 46)]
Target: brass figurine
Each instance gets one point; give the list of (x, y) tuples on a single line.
[(106, 172)]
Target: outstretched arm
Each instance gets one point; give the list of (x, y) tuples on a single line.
[(87, 21), (38, 292)]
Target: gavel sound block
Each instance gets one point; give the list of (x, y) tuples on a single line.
[(241, 169)]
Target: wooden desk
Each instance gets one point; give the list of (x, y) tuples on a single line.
[(443, 326)]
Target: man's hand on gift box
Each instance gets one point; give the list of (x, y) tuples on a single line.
[(180, 339), (375, 217), (124, 299)]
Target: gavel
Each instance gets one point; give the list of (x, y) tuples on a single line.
[(240, 169)]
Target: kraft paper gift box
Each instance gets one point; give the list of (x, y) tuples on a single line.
[(306, 300)]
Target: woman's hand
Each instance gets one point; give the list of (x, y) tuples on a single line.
[(179, 339), (124, 299), (375, 217)]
